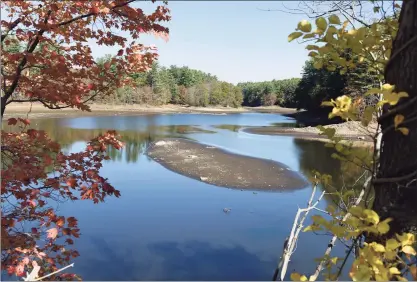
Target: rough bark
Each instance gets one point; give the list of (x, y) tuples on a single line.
[(396, 182)]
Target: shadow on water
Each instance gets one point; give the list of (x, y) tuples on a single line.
[(314, 156)]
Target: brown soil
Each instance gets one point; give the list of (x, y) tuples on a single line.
[(218, 167)]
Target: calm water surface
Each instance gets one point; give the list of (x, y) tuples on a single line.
[(166, 226)]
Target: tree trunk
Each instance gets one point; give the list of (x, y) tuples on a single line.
[(396, 183)]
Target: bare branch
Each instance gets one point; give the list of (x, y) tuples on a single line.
[(333, 240)]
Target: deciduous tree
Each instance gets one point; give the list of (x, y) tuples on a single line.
[(55, 66)]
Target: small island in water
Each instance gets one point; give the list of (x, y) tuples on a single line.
[(219, 167)]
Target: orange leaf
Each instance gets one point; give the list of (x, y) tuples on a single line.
[(60, 222)]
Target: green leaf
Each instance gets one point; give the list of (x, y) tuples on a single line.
[(333, 19), (294, 35), (321, 23), (312, 54)]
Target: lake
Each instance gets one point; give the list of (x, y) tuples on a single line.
[(166, 226)]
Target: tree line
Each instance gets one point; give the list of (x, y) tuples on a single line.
[(176, 85)]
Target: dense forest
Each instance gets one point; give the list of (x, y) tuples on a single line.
[(185, 86), (176, 85)]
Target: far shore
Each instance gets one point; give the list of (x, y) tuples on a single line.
[(37, 110), (348, 131)]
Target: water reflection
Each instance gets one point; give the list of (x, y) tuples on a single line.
[(314, 156), (169, 227)]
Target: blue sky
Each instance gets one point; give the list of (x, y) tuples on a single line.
[(233, 40)]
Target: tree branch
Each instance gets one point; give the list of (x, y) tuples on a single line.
[(295, 231), (333, 240)]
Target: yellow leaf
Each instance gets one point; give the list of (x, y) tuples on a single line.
[(352, 32), (327, 103), (373, 91), (312, 47), (318, 65), (298, 277), (308, 228), (383, 227), (371, 216), (309, 35), (398, 119), (321, 23), (406, 239), (404, 130), (356, 211), (304, 25), (408, 250), (392, 244), (394, 270), (388, 87), (377, 247), (334, 260), (294, 35), (333, 19), (313, 54), (390, 255)]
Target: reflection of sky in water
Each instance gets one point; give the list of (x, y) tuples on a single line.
[(169, 227)]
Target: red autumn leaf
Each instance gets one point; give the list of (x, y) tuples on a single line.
[(71, 182), (66, 231), (60, 222), (24, 121), (69, 241), (11, 121), (20, 269), (52, 233)]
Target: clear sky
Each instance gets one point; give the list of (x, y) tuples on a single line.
[(233, 40)]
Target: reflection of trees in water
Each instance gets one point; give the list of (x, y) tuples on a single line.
[(313, 155), (136, 141)]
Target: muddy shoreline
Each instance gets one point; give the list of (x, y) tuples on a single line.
[(219, 167), (37, 110)]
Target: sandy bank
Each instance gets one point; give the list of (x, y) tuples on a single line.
[(39, 111), (219, 167), (352, 131)]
